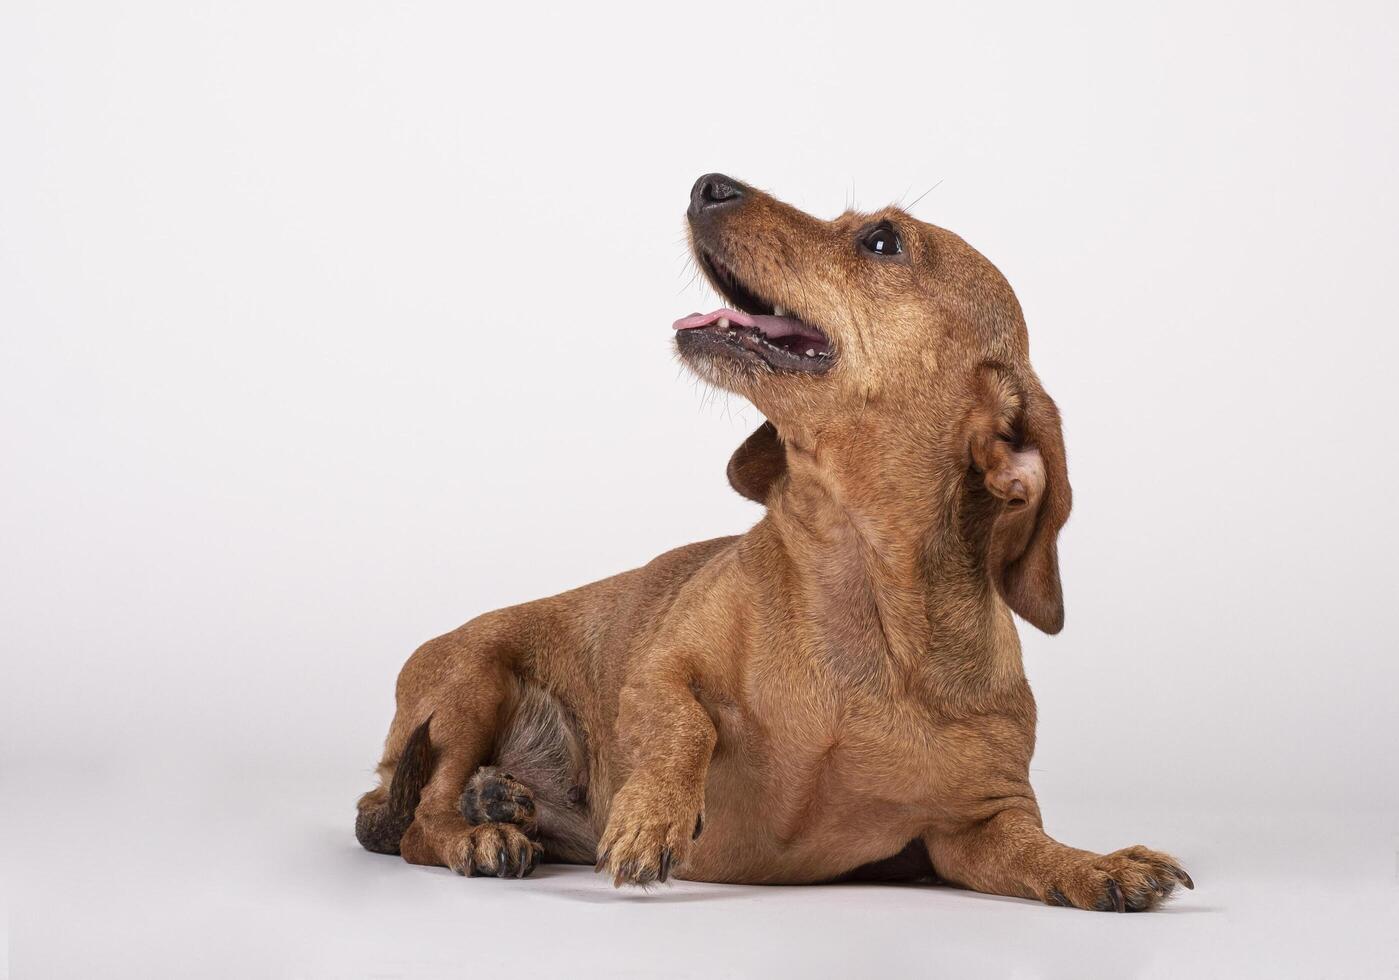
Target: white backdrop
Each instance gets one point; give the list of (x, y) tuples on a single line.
[(326, 326)]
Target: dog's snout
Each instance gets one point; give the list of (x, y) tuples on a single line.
[(714, 191)]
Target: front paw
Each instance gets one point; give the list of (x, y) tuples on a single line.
[(649, 833), (1134, 879)]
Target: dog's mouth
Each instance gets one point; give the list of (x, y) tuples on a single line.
[(753, 329)]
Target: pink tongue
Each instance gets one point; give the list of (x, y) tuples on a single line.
[(771, 327)]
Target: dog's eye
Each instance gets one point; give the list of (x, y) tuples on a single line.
[(883, 240)]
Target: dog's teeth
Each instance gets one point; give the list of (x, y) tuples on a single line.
[(778, 311), (723, 323), (810, 352)]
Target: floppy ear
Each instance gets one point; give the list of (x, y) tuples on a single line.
[(1017, 445), (756, 465)]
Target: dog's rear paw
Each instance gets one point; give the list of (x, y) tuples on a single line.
[(1134, 879), (500, 850), (495, 796), (648, 834)]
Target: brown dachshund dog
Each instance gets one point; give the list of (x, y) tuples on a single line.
[(837, 693)]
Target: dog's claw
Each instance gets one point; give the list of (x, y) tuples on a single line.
[(699, 827), (666, 857), (1181, 876), (1056, 897), (626, 872), (601, 862), (1119, 903)]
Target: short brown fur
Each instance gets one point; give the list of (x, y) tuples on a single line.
[(845, 679)]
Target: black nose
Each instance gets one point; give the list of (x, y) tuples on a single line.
[(714, 191)]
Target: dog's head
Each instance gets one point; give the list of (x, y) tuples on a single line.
[(886, 351)]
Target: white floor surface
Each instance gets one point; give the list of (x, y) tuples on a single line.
[(246, 875)]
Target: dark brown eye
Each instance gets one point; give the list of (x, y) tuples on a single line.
[(882, 239)]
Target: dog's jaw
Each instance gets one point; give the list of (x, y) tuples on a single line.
[(782, 343), (753, 331)]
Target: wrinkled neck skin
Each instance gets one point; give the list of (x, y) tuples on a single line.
[(882, 575)]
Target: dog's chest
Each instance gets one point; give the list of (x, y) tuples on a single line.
[(816, 749)]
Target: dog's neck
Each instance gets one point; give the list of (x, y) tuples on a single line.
[(882, 572)]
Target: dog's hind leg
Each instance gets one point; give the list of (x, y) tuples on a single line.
[(452, 695), (495, 796), (538, 780)]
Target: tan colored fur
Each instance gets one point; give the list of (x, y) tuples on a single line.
[(846, 677)]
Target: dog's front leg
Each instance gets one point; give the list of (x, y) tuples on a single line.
[(667, 738), (1010, 854)]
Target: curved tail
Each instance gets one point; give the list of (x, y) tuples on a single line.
[(384, 816)]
